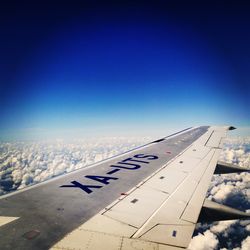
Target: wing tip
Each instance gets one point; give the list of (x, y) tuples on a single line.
[(231, 128)]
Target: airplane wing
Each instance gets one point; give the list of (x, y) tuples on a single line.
[(148, 198)]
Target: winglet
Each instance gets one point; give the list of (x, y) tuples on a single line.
[(212, 211)]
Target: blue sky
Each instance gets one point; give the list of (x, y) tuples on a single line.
[(122, 68)]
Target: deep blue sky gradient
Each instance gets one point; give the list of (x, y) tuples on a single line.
[(122, 68)]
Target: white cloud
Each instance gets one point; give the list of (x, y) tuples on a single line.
[(221, 191), (206, 241), (245, 245), (221, 226)]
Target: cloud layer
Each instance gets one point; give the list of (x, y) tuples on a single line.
[(26, 163)]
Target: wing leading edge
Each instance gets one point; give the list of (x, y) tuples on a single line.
[(147, 198)]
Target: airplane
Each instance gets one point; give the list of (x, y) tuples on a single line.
[(150, 197)]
